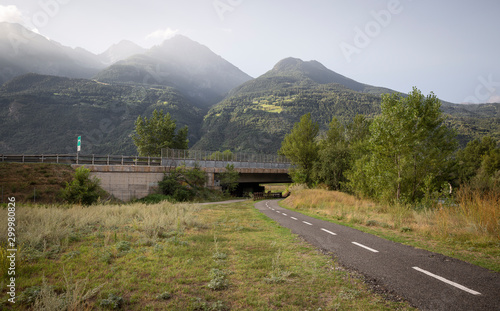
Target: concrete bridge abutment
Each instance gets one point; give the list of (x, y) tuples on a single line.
[(126, 182)]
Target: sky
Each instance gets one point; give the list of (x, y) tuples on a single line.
[(448, 47)]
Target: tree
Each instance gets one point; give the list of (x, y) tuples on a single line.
[(151, 135), (183, 184), (333, 156), (339, 149), (301, 148), (229, 178), (470, 158), (409, 149), (83, 189)]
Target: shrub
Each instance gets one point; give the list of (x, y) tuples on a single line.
[(83, 189), (183, 184)]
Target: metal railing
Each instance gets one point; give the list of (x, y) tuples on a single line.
[(91, 159), (204, 158), (203, 155), (170, 157)]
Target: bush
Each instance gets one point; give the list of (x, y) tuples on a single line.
[(183, 184), (83, 189), (154, 198)]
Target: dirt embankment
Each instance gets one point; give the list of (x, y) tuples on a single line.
[(33, 182)]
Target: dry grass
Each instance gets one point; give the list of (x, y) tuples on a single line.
[(474, 214), (42, 227), (470, 226)]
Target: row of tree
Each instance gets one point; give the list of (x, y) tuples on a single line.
[(405, 154)]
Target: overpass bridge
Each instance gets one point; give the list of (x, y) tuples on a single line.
[(128, 177)]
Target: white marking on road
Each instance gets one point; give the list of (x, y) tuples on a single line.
[(470, 291), (307, 223), (293, 218), (285, 214), (366, 247), (278, 212), (327, 231)]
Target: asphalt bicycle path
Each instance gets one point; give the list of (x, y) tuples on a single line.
[(429, 281)]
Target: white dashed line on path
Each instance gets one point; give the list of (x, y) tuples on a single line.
[(294, 218), (470, 291), (327, 231), (366, 247), (307, 223)]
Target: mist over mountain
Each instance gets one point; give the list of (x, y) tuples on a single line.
[(179, 62), (119, 51), (23, 51)]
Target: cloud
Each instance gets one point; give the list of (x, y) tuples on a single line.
[(11, 14), (162, 34), (494, 99)]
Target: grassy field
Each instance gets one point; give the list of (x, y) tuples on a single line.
[(174, 257), (468, 229)]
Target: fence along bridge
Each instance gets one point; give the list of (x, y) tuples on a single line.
[(128, 177)]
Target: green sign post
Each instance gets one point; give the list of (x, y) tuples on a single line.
[(79, 144)]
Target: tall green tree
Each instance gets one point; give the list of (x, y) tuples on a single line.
[(301, 148), (333, 156), (339, 149), (409, 149), (157, 132), (470, 158)]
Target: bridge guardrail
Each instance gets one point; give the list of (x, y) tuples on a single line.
[(82, 159), (177, 158)]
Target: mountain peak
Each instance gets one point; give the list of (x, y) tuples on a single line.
[(313, 70), (119, 51)]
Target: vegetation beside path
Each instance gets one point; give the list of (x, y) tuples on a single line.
[(468, 229), (174, 257)]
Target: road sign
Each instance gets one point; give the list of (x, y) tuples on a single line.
[(79, 144)]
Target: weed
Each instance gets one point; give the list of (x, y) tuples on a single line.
[(176, 241), (348, 294), (106, 257), (219, 279), (71, 255), (164, 296), (30, 294), (123, 246), (372, 222), (112, 302), (277, 275), (200, 305), (218, 257), (75, 296)]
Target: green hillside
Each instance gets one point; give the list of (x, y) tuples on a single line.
[(256, 115), (258, 121), (46, 114)]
